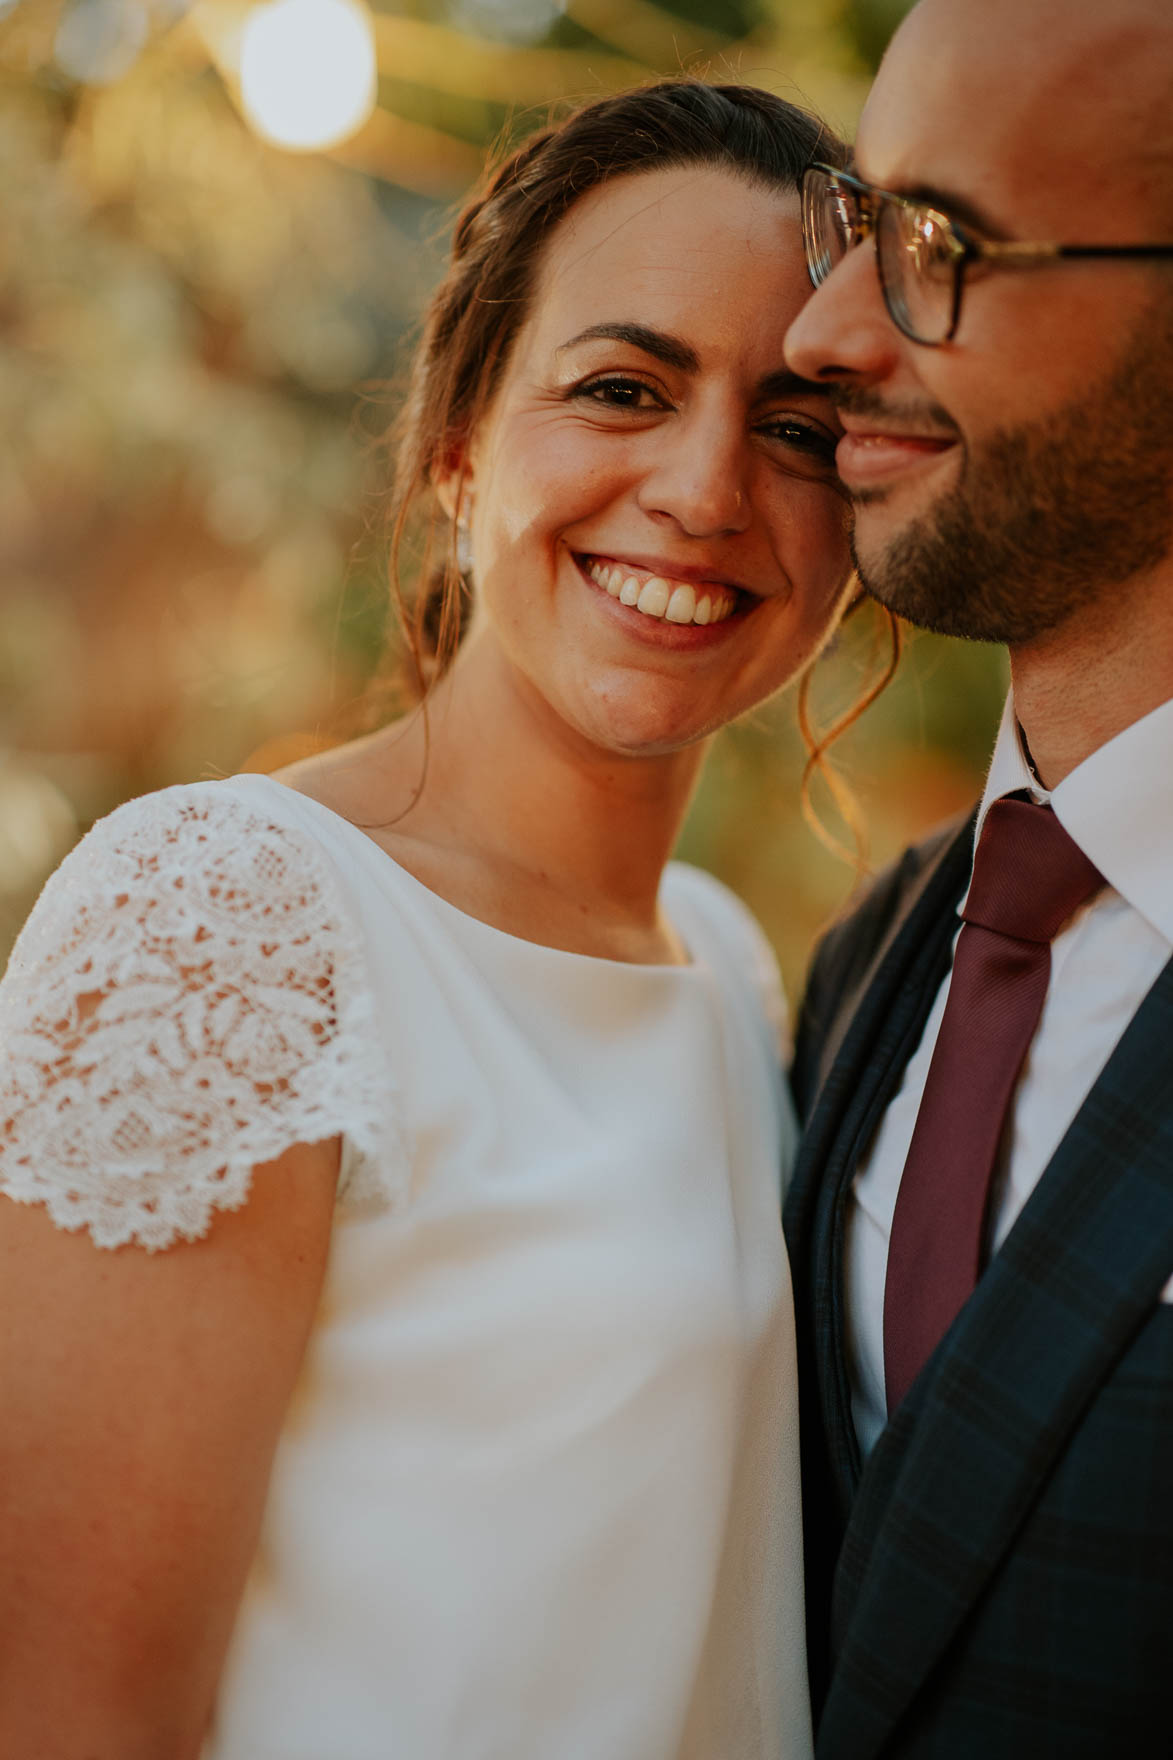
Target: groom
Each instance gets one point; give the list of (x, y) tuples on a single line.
[(981, 1225)]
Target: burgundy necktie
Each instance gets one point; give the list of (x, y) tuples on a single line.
[(1028, 877)]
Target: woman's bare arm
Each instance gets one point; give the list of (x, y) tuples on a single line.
[(141, 1397)]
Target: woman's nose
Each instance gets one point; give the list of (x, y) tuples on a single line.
[(701, 476), (843, 333)]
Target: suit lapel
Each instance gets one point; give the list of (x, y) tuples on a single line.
[(878, 1025), (956, 1472)]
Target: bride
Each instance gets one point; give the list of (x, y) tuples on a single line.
[(398, 1355)]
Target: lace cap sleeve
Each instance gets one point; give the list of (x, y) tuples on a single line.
[(185, 1001)]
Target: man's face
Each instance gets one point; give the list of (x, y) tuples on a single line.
[(1013, 476)]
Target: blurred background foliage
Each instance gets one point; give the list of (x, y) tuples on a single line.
[(198, 329)]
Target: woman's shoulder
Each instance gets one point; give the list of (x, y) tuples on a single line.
[(189, 828), (188, 998), (722, 930), (211, 865), (726, 916), (210, 819)]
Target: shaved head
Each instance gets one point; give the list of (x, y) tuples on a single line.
[(1046, 495), (1088, 82)]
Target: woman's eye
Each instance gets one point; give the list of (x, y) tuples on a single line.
[(619, 393), (812, 441)]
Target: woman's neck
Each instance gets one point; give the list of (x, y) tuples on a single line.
[(499, 806)]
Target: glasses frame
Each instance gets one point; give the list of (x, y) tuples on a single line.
[(966, 247)]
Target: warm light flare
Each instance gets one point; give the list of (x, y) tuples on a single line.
[(307, 71)]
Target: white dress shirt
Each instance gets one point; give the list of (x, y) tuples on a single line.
[(1118, 806)]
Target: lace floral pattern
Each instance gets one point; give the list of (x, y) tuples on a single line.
[(186, 1001)]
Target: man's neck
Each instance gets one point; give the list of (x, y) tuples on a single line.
[(1078, 687)]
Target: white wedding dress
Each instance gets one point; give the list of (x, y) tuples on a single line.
[(536, 1496)]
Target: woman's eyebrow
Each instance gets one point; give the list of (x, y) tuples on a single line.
[(662, 347), (676, 353), (784, 383)]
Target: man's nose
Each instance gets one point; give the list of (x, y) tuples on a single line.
[(844, 332)]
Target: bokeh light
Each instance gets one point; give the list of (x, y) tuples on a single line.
[(307, 71), (37, 825), (99, 40), (516, 21)]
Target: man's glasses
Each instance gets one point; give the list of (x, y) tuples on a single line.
[(921, 253)]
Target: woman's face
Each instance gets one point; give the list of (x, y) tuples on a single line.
[(647, 443)]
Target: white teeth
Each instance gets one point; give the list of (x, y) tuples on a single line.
[(654, 597), (657, 597)]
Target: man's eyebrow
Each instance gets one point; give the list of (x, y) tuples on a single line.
[(956, 207), (662, 347)]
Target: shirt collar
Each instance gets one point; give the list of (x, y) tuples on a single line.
[(1117, 805)]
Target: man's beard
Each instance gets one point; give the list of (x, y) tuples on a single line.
[(1046, 517)]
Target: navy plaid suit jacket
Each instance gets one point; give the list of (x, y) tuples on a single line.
[(996, 1581)]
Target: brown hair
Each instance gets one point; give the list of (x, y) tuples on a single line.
[(879, 669), (477, 310)]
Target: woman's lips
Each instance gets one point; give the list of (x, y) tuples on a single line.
[(864, 458), (624, 585), (662, 595)]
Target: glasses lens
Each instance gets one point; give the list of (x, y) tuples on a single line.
[(920, 258), (828, 221)]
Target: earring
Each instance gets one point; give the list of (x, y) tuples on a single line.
[(463, 547)]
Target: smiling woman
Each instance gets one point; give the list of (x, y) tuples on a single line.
[(450, 1411), (675, 453)]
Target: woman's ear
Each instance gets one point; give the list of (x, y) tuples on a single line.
[(453, 487), (452, 482)]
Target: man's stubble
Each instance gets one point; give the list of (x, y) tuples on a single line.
[(1048, 516)]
